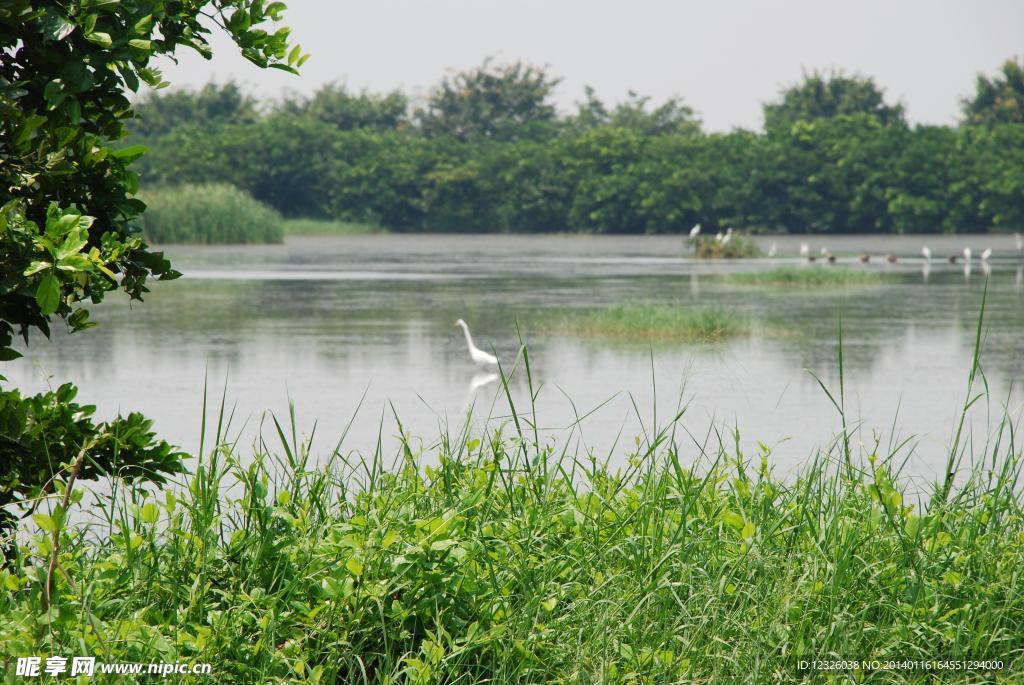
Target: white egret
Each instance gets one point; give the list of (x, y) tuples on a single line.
[(927, 253), (986, 254), (772, 250), (824, 251), (695, 231), (476, 354), (967, 254), (727, 236), (805, 249), (718, 237)]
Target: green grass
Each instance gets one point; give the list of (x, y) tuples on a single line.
[(650, 322), (500, 560), (808, 276), (327, 227), (213, 213)]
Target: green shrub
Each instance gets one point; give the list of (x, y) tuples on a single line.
[(212, 213)]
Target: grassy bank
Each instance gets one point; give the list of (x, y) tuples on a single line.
[(808, 277), (327, 227), (502, 561), (214, 213), (650, 322)]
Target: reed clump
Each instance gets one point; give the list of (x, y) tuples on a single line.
[(210, 213), (808, 277), (651, 322)]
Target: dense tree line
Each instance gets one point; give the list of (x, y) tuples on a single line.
[(488, 151)]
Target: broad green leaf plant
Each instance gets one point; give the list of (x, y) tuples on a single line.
[(68, 231)]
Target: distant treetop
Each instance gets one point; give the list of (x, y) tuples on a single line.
[(500, 102), (157, 113), (999, 100), (671, 117), (827, 95)]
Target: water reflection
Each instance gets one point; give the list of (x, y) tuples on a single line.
[(323, 342)]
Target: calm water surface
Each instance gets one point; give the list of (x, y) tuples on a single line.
[(323, 320)]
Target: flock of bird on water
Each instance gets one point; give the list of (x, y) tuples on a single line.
[(485, 359), (805, 249)]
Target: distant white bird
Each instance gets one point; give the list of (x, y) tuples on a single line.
[(967, 254), (772, 250), (824, 251), (727, 237), (986, 254), (476, 354), (805, 249), (695, 231), (718, 236), (927, 253)]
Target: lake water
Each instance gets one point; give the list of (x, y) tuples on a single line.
[(325, 320)]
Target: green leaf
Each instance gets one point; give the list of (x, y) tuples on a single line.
[(36, 267), (131, 153), (53, 93), (8, 354), (141, 44), (48, 294), (441, 545), (45, 522), (294, 55), (275, 9), (75, 262), (100, 38), (72, 245), (149, 513), (749, 530), (151, 76), (74, 111), (130, 79), (354, 566), (550, 603), (55, 25), (239, 21), (731, 518)]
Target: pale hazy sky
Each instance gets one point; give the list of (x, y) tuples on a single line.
[(724, 57)]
